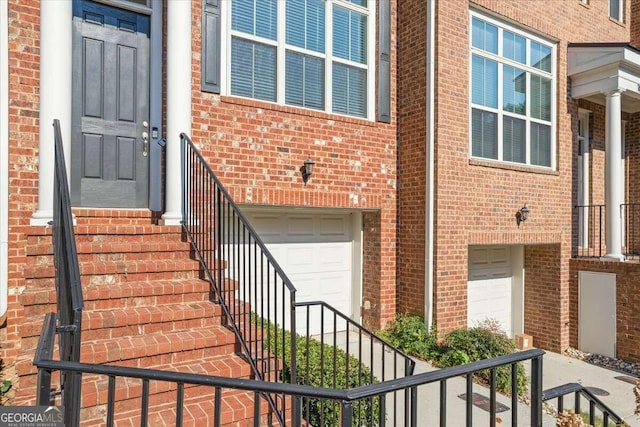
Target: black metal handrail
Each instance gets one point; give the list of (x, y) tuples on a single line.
[(68, 290), (631, 237), (580, 392), (589, 231), (341, 339), (259, 299), (246, 279), (589, 237), (345, 399)]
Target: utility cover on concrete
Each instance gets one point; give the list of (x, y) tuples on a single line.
[(628, 379), (598, 391), (483, 402)]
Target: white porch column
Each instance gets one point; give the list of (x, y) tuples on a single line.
[(55, 96), (614, 191), (178, 101)]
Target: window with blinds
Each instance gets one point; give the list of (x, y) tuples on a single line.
[(308, 53), (512, 94), (616, 10)]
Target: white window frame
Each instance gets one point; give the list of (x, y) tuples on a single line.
[(282, 47), (620, 15), (501, 60)]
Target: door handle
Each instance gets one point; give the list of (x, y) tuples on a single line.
[(145, 144)]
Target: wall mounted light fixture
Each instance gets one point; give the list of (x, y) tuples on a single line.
[(522, 214), (306, 170)]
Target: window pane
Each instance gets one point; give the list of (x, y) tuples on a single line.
[(253, 70), (304, 81), (242, 13), (513, 140), (484, 84), (540, 97), (349, 35), (614, 9), (305, 24), (514, 87), (349, 90), (484, 36), (255, 17), (514, 47), (484, 134), (362, 3), (267, 18), (540, 144), (540, 56)]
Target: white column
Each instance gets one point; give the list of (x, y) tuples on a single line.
[(178, 101), (613, 189), (55, 96)]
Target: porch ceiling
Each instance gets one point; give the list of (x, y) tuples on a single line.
[(598, 68)]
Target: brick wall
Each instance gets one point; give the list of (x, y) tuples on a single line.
[(24, 75), (544, 316), (256, 149), (412, 128), (476, 200), (627, 302)]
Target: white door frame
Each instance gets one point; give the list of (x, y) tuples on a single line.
[(583, 177)]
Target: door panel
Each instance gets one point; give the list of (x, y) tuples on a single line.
[(109, 167), (597, 313)]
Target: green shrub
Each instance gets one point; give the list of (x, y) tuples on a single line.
[(478, 344), (409, 333), (325, 366), (459, 347)]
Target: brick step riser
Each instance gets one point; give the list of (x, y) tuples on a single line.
[(27, 372), (173, 254), (155, 292), (120, 254), (118, 268), (161, 245), (198, 409), (45, 242), (113, 277)]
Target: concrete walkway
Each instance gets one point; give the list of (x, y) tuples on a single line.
[(608, 385), (557, 370)]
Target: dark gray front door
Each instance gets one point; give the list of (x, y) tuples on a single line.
[(110, 141)]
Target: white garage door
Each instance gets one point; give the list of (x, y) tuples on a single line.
[(314, 251), (489, 286)]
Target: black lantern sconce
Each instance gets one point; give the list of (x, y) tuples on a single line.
[(522, 214), (306, 170)]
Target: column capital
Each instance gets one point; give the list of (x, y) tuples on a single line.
[(614, 92)]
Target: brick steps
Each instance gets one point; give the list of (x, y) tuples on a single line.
[(145, 306), (128, 294)]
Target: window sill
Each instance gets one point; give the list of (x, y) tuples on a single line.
[(512, 167), (271, 106)]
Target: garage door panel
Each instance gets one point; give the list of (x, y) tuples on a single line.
[(336, 226), (315, 252), (489, 286), (299, 226)]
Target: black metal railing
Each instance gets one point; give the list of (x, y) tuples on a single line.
[(631, 230), (590, 237), (259, 300), (68, 320), (581, 394), (342, 342), (435, 382)]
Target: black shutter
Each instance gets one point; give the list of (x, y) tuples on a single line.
[(211, 46), (384, 61)]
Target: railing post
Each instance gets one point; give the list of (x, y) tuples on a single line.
[(346, 413), (536, 391)]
